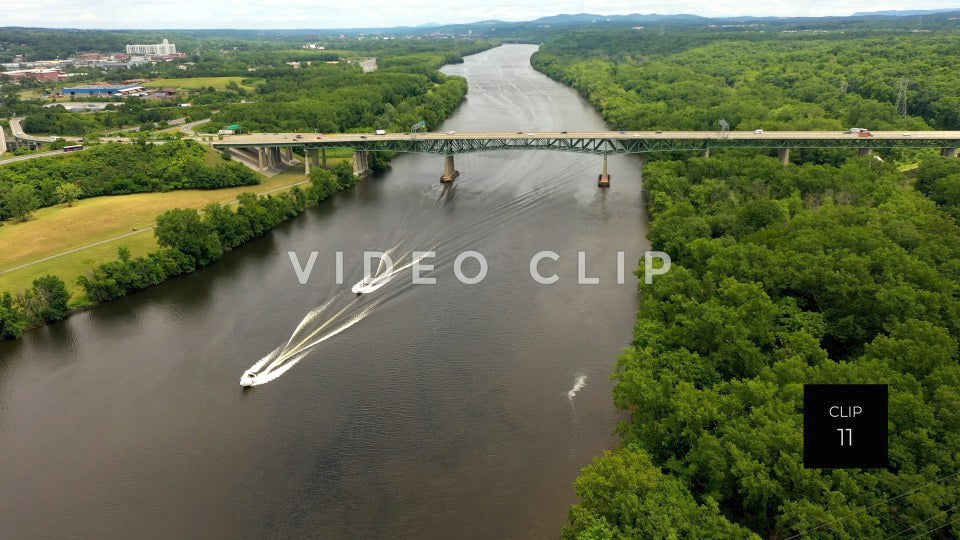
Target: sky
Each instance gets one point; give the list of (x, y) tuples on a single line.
[(279, 14)]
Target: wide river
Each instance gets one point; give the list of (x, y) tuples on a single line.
[(444, 411)]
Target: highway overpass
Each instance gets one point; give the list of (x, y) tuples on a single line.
[(603, 143)]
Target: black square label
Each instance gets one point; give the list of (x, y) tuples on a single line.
[(844, 426)]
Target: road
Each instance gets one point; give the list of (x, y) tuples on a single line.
[(37, 155), (259, 139), (18, 133)]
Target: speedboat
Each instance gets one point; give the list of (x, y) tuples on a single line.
[(248, 379)]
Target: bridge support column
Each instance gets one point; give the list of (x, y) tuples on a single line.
[(783, 155), (288, 154), (306, 160), (864, 151), (323, 157), (361, 162), (261, 158), (604, 179), (706, 152), (948, 152), (450, 173)]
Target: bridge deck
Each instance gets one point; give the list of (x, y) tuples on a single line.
[(595, 142)]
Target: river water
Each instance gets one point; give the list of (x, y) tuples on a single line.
[(445, 412)]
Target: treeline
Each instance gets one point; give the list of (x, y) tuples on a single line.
[(193, 238), (57, 120), (939, 179), (189, 238), (339, 98), (680, 80), (783, 276), (115, 169)]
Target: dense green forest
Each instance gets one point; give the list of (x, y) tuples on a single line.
[(782, 277), (114, 169), (673, 80)]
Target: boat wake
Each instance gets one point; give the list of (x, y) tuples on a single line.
[(578, 384)]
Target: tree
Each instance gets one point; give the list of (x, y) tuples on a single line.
[(21, 201), (68, 193), (183, 230), (13, 321), (47, 300)]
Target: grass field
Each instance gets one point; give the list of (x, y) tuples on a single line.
[(58, 229), (196, 82)]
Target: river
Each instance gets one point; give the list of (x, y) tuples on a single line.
[(444, 413)]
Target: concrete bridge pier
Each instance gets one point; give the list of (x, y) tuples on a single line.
[(948, 152), (262, 158), (361, 163), (450, 172), (705, 153), (307, 158), (287, 154), (783, 155), (604, 179), (323, 157), (864, 151)]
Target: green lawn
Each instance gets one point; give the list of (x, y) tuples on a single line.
[(196, 82)]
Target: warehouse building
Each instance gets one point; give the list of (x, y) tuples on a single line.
[(102, 90)]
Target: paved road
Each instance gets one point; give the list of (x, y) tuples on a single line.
[(18, 133), (37, 155), (188, 127), (257, 139)]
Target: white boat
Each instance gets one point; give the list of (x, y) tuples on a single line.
[(248, 379)]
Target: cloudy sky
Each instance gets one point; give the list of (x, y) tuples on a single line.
[(383, 13)]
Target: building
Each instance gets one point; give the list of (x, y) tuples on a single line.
[(43, 75), (102, 90), (159, 49)]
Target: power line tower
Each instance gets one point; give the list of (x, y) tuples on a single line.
[(902, 86), (723, 128)]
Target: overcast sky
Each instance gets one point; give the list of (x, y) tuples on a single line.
[(384, 13)]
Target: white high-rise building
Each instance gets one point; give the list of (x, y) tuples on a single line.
[(159, 49)]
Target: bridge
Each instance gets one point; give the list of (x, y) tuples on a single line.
[(274, 148)]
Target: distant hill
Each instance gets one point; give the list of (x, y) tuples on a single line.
[(903, 12)]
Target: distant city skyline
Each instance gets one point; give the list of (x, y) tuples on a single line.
[(284, 14)]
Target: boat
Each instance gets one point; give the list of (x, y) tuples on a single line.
[(248, 379)]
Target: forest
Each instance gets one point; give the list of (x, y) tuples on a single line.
[(670, 80), (117, 169), (782, 276), (834, 269)]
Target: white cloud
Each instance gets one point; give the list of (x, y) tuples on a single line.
[(383, 13)]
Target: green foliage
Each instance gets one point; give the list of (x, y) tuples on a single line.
[(46, 301), (791, 81), (784, 276), (68, 193), (114, 168), (13, 321), (116, 278), (183, 230), (19, 201)]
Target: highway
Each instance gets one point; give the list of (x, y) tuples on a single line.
[(5, 161), (18, 133), (260, 139)]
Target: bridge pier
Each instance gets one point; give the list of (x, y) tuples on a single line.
[(306, 160), (864, 151), (948, 152), (323, 157), (705, 153), (783, 155), (604, 179), (361, 163), (261, 158), (288, 154), (450, 172)]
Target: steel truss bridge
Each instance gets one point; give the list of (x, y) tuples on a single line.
[(601, 143)]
